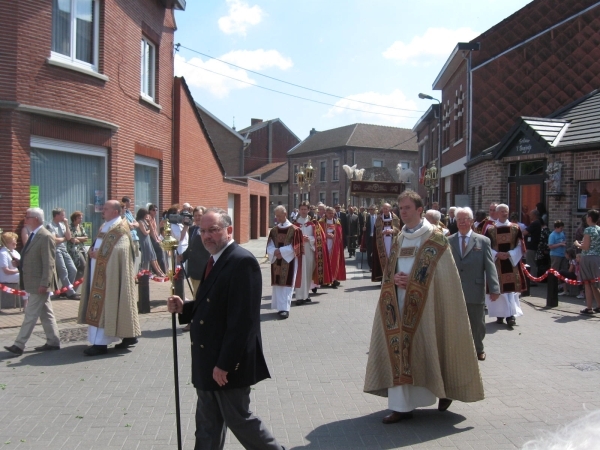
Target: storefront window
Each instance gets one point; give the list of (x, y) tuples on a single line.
[(589, 195), (532, 168), (146, 182), (73, 181)]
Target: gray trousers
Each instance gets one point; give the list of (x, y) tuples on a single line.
[(218, 410), (530, 259), (65, 269), (476, 313), (38, 306)]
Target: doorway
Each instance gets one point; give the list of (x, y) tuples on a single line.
[(526, 187)]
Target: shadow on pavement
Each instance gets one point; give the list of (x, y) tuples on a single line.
[(372, 287), (165, 332), (270, 316), (72, 354), (369, 432), (575, 318), (493, 327)]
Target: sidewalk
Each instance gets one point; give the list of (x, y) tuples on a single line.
[(538, 375), (66, 310)]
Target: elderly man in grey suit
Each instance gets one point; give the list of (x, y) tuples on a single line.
[(37, 268), (473, 256)]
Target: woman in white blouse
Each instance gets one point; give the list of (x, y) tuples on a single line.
[(9, 272)]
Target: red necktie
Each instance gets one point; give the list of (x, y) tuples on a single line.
[(209, 266)]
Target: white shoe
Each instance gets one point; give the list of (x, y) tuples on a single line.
[(562, 293), (581, 296)]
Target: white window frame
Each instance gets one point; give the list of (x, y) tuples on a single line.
[(335, 175), (154, 163), (322, 197), (377, 161), (323, 171), (144, 83), (71, 60), (335, 194)]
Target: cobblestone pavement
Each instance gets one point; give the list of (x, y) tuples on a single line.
[(539, 375)]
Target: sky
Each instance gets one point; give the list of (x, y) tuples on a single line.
[(368, 59)]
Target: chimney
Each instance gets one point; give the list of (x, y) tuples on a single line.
[(255, 121), (313, 131)]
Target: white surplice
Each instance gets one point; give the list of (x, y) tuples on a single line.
[(387, 238), (96, 335), (406, 397), (308, 259), (508, 304), (281, 298)]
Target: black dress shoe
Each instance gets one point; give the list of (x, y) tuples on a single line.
[(336, 283), (314, 290), (481, 356), (14, 349), (307, 300), (74, 297), (396, 416), (299, 302), (284, 314), (47, 347), (126, 343), (500, 320), (510, 321), (444, 404), (96, 350)]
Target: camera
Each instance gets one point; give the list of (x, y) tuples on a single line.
[(185, 218)]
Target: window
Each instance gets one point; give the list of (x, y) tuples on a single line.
[(459, 123), (296, 204), (146, 181), (295, 173), (54, 161), (279, 189), (377, 163), (589, 195), (323, 171), (148, 68), (75, 32), (335, 197), (322, 197), (336, 170)]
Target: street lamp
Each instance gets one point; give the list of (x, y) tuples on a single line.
[(439, 157), (305, 176)]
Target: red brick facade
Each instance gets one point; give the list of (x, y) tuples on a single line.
[(269, 144)]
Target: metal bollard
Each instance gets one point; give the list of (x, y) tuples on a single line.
[(552, 294), (526, 292), (144, 294)]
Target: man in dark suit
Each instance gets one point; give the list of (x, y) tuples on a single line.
[(227, 355), (37, 269), (452, 225), (473, 257), (369, 229), (343, 218)]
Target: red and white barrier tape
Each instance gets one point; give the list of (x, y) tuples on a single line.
[(557, 275)]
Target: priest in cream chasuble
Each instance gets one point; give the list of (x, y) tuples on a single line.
[(421, 344)]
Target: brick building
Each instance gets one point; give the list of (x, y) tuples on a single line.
[(533, 64), (367, 146), (269, 143), (86, 110)]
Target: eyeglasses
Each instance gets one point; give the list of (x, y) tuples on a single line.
[(211, 230)]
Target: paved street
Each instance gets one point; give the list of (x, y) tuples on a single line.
[(543, 373)]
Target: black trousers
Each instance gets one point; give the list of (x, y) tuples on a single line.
[(230, 408), (369, 242)]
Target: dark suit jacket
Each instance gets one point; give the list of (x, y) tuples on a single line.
[(475, 267), (452, 226), (344, 222), (196, 254), (225, 320)]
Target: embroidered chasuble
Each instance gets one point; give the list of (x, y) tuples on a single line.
[(313, 258), (421, 344), (283, 271), (382, 244), (109, 295), (507, 237)]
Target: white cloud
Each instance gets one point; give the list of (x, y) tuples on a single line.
[(435, 43), (241, 15), (220, 86), (258, 59), (368, 113)]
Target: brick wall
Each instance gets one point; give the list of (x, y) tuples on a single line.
[(200, 177), (32, 81), (257, 153)]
